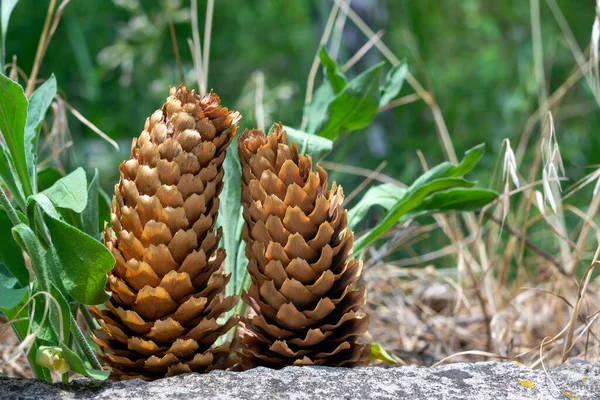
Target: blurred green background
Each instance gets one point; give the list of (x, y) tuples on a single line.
[(114, 62)]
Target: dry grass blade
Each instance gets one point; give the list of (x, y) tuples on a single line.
[(210, 5), (90, 125), (176, 52), (364, 183), (39, 55), (314, 68), (575, 313), (195, 48), (362, 51)]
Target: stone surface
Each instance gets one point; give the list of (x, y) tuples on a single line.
[(487, 380)]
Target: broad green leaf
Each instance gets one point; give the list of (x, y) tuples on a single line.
[(13, 114), (470, 159), (230, 214), (10, 252), (393, 84), (10, 298), (457, 199), (82, 262), (438, 179), (6, 9), (316, 110), (335, 76), (380, 354), (384, 195), (408, 202), (315, 146), (11, 292), (16, 312), (70, 191), (10, 179), (38, 107), (47, 177), (89, 216), (77, 365), (354, 107)]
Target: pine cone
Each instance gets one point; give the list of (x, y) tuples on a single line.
[(305, 310), (167, 282)]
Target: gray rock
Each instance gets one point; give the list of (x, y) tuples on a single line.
[(486, 380)]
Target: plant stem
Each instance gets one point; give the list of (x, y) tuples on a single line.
[(89, 320), (83, 344), (10, 211)]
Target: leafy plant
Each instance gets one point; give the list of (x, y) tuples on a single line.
[(55, 228)]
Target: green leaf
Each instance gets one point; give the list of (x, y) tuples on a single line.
[(38, 107), (408, 202), (393, 84), (82, 262), (47, 177), (354, 107), (11, 293), (89, 217), (27, 240), (380, 354), (384, 195), (335, 76), (18, 311), (13, 114), (457, 199), (10, 179), (469, 161), (5, 11), (438, 179), (10, 252), (77, 365), (316, 110), (230, 215), (70, 191), (315, 146)]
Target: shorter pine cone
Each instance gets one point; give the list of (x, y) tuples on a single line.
[(304, 308)]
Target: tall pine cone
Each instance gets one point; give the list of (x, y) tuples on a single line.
[(167, 282), (304, 308)]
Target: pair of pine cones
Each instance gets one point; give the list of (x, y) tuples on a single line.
[(165, 312)]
